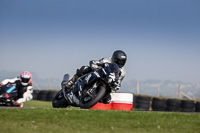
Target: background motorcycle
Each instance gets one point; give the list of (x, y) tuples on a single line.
[(8, 93), (97, 86)]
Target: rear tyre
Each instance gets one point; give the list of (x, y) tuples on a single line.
[(59, 100), (97, 96)]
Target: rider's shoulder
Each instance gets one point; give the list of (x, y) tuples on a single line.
[(14, 79), (106, 60)]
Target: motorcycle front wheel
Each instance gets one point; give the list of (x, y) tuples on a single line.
[(59, 100), (88, 101)]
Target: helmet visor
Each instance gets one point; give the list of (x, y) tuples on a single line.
[(120, 63), (25, 80)]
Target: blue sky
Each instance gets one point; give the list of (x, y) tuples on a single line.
[(53, 37)]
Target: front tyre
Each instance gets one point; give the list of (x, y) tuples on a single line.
[(59, 100), (88, 101)]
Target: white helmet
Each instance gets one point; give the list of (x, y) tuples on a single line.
[(25, 78)]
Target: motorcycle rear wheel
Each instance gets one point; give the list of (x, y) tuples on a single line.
[(95, 99), (59, 100)]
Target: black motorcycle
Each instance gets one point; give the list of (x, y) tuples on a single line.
[(8, 93), (89, 89)]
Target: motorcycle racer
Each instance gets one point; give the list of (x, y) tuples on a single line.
[(23, 84), (119, 57)]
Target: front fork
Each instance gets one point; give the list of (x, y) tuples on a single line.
[(92, 89), (64, 94)]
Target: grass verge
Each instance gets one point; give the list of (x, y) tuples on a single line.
[(45, 119)]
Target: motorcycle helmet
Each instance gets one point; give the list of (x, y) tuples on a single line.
[(25, 78), (119, 57)]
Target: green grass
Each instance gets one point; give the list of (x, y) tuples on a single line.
[(45, 119)]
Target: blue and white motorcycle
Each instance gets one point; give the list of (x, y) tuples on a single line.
[(89, 89)]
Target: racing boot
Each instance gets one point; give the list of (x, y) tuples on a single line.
[(68, 85), (106, 99)]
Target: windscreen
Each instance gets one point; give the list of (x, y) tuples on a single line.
[(114, 67)]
